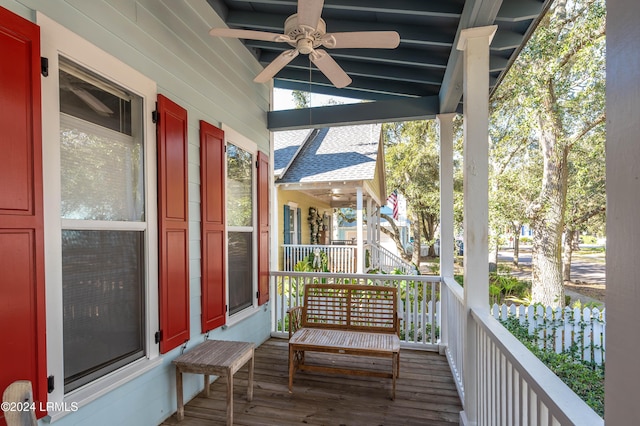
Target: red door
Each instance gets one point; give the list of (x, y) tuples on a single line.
[(22, 291)]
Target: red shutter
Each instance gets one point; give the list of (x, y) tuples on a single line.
[(173, 223), (212, 209), (263, 228), (22, 291)]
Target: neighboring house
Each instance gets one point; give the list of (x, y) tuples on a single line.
[(318, 171)]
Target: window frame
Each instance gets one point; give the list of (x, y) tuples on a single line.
[(294, 223), (234, 137), (59, 41)]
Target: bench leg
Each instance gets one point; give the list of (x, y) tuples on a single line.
[(291, 369), (395, 367)]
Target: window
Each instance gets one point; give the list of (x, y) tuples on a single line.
[(103, 225), (241, 227), (292, 224), (100, 218)]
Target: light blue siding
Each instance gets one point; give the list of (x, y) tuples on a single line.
[(168, 42)]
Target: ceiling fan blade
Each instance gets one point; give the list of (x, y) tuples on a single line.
[(276, 65), (362, 39), (330, 68), (309, 12), (249, 34)]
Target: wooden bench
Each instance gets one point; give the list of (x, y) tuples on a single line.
[(346, 319)]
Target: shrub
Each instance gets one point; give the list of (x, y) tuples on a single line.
[(586, 379)]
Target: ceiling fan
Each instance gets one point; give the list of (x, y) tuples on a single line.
[(305, 31)]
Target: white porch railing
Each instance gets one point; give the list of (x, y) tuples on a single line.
[(384, 260), (453, 330), (341, 258)]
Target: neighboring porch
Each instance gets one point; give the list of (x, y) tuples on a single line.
[(343, 258), (426, 394)]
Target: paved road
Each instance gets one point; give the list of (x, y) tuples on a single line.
[(581, 270)]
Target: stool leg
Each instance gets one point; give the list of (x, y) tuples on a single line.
[(229, 398), (180, 411), (250, 388), (207, 385)]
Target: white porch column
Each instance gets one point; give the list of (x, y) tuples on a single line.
[(622, 379), (445, 122), (474, 42), (359, 232), (370, 225), (378, 231)]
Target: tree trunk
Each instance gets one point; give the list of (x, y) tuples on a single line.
[(547, 286), (516, 245), (569, 241), (395, 236), (415, 231), (429, 222)]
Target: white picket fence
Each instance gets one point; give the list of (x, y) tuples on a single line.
[(559, 329)]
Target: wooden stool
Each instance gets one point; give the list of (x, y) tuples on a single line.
[(218, 357)]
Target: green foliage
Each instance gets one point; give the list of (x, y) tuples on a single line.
[(591, 305), (507, 288), (412, 160), (586, 379), (310, 264), (551, 106), (417, 336), (589, 239)]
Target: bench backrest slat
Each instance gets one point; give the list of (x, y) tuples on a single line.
[(351, 307)]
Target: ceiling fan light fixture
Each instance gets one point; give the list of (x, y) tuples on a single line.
[(304, 45)]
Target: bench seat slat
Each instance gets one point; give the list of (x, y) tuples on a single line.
[(341, 339)]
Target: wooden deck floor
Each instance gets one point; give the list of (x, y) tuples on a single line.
[(426, 393)]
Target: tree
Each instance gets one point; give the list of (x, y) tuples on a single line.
[(515, 169), (557, 83), (301, 99), (412, 158), (586, 199)]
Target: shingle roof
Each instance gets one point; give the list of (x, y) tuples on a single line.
[(347, 153), (286, 144)]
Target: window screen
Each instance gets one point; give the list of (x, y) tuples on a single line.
[(103, 258)]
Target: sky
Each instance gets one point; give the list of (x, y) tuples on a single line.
[(282, 99)]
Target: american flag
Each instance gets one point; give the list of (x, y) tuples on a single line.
[(392, 201)]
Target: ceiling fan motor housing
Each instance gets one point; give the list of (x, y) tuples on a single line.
[(306, 38)]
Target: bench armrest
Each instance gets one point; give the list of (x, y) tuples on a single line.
[(295, 319)]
